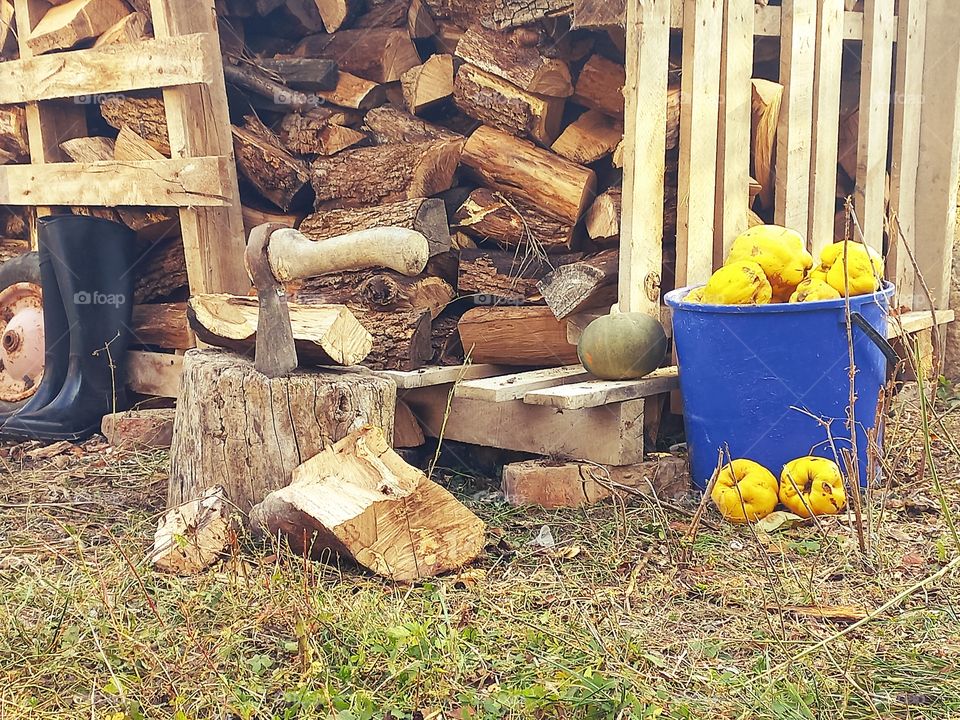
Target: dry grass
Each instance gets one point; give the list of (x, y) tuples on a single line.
[(605, 625)]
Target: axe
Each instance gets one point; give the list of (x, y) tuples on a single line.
[(276, 254)]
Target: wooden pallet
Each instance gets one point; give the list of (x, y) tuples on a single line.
[(200, 180)]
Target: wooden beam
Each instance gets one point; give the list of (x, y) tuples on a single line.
[(117, 68), (699, 124), (645, 122), (905, 154), (181, 182), (875, 74), (916, 321), (795, 134), (198, 123), (825, 140)]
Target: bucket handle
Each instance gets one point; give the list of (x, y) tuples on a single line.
[(879, 340)]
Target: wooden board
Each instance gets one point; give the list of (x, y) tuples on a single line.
[(516, 385), (597, 393), (645, 120), (433, 376)]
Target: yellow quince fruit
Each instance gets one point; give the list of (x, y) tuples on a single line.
[(812, 486), (694, 296), (781, 252), (737, 283), (864, 267), (812, 289), (745, 491)]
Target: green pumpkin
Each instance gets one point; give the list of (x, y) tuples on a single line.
[(622, 347)]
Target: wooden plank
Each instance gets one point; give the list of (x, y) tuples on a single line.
[(916, 321), (733, 156), (198, 123), (516, 385), (939, 153), (596, 393), (826, 137), (767, 21), (150, 373), (181, 182), (875, 76), (699, 124), (795, 132), (644, 141), (905, 154), (432, 376), (111, 69), (607, 435)]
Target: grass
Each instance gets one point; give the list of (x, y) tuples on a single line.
[(607, 624)]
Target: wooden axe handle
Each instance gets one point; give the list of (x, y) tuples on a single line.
[(294, 256)]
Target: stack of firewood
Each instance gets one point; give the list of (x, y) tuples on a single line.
[(495, 128)]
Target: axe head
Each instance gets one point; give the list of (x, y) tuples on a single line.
[(276, 353)]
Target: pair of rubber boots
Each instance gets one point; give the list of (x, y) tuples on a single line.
[(86, 272)]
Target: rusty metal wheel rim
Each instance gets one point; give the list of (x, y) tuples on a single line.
[(21, 341)]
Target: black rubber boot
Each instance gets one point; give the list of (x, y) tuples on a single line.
[(56, 336), (93, 261)]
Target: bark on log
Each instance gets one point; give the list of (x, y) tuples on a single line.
[(511, 221), (388, 125), (506, 56), (360, 500), (401, 340), (502, 105), (502, 162), (162, 325), (66, 25), (162, 271), (426, 86), (505, 275), (381, 290), (589, 138), (387, 173), (426, 216), (582, 285), (144, 115), (306, 74), (237, 428), (324, 334), (528, 335), (380, 55), (275, 173), (599, 14), (320, 131)]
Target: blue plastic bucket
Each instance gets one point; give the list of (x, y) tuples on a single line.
[(764, 379)]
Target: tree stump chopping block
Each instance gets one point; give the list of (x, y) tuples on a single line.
[(241, 430)]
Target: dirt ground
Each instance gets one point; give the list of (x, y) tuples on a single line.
[(623, 618)]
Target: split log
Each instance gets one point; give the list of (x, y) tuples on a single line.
[(389, 14), (502, 105), (523, 336), (161, 272), (502, 162), (599, 14), (589, 138), (553, 485), (511, 221), (144, 115), (66, 25), (426, 86), (407, 432), (9, 49), (388, 125), (320, 131), (305, 74), (336, 13), (506, 56), (382, 290), (766, 99), (420, 23), (386, 173), (276, 174), (88, 149), (380, 55), (401, 339), (324, 334), (139, 430), (237, 428), (582, 285), (360, 500), (13, 135), (426, 216), (162, 325), (517, 13), (505, 275), (15, 221), (600, 86), (354, 92), (603, 217), (130, 29), (150, 223), (192, 536)]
